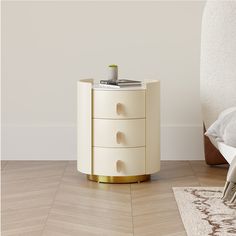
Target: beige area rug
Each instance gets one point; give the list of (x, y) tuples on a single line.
[(204, 213)]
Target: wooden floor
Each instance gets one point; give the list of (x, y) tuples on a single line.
[(51, 198)]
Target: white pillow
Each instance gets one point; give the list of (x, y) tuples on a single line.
[(224, 128)]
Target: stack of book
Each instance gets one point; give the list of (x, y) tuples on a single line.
[(120, 83)]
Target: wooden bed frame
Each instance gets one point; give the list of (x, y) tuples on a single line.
[(212, 154)]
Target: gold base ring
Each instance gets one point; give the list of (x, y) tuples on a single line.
[(118, 179)]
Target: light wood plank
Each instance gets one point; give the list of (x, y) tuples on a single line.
[(27, 170), (52, 198), (174, 169), (29, 193), (24, 221), (3, 164), (90, 219), (161, 223)]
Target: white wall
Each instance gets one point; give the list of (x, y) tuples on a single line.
[(48, 46)]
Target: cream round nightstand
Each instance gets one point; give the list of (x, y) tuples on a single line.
[(118, 132)]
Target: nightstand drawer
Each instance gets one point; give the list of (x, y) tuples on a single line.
[(119, 161), (119, 104), (119, 133)]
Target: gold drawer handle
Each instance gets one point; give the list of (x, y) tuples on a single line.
[(118, 137), (119, 108), (118, 166)]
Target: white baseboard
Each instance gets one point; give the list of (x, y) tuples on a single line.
[(59, 142)]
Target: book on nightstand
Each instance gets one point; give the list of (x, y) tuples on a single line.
[(121, 83)]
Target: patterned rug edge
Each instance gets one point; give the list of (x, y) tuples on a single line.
[(204, 213)]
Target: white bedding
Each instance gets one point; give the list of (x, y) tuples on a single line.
[(228, 152), (223, 131), (224, 128)]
